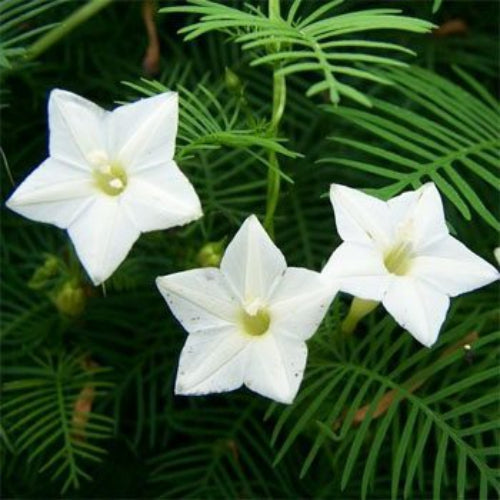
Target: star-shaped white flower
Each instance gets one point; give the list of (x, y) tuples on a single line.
[(110, 176), (401, 253), (247, 321)]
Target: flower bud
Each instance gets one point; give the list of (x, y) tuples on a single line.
[(233, 83), (70, 299), (210, 254)]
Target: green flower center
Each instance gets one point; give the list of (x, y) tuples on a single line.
[(110, 178), (398, 259), (255, 324)]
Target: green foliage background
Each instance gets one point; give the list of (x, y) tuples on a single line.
[(437, 436)]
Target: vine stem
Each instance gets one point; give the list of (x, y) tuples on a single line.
[(279, 101), (62, 29)]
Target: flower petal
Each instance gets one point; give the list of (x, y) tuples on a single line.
[(212, 362), (54, 192), (143, 133), (450, 267), (358, 270), (276, 367), (252, 263), (420, 213), (299, 303), (200, 299), (417, 307), (103, 235), (161, 197), (76, 128), (361, 218)]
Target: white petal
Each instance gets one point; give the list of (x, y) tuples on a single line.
[(212, 362), (358, 270), (200, 299), (54, 192), (276, 367), (252, 263), (417, 307), (420, 214), (450, 267), (299, 303), (103, 235), (161, 197), (360, 218), (143, 133), (76, 128), (401, 207)]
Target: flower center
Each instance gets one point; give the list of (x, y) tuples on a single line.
[(255, 324), (109, 177), (398, 259)]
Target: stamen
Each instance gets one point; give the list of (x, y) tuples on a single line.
[(116, 183)]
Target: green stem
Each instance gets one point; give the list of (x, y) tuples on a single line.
[(359, 309), (279, 101), (55, 34)]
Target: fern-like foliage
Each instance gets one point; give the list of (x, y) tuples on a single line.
[(225, 454), (392, 405), (309, 42), (21, 24), (27, 317), (210, 119), (205, 123), (447, 135), (46, 405)]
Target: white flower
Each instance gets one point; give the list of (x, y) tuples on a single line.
[(248, 321), (110, 176), (401, 253)]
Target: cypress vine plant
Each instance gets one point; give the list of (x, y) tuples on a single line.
[(279, 103)]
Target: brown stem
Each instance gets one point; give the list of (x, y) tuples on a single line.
[(83, 404), (151, 61)]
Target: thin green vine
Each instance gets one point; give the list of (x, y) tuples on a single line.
[(62, 29), (279, 101)]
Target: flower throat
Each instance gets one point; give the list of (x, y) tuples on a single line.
[(398, 259), (255, 324), (111, 179)]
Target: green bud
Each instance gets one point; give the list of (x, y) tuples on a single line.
[(210, 254), (233, 83), (70, 299)]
